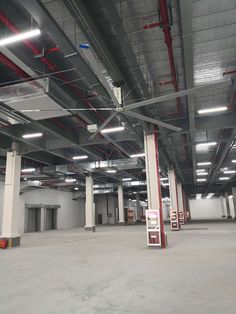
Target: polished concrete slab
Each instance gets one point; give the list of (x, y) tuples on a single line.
[(112, 271)]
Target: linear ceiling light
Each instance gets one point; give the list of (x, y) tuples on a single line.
[(111, 171), (113, 130), (163, 179), (200, 170), (229, 171), (79, 157), (234, 160), (205, 145), (28, 170), (212, 110), (32, 135), (209, 196), (19, 37), (201, 180), (137, 155), (202, 173), (70, 180), (205, 163), (198, 196), (126, 179), (165, 184), (224, 178)]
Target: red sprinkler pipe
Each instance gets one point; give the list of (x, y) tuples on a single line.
[(163, 83), (229, 72), (151, 25), (165, 24)]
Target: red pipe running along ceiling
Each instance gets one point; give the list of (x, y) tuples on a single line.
[(165, 24), (51, 66)]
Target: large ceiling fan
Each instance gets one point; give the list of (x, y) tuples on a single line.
[(128, 109)]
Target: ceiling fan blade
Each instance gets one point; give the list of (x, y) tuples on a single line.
[(177, 94), (102, 126), (154, 121)]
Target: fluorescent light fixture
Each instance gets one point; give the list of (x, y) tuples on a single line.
[(137, 155), (201, 180), (28, 170), (111, 171), (205, 163), (231, 196), (70, 180), (224, 178), (163, 179), (209, 196), (19, 37), (165, 184), (200, 170), (225, 168), (234, 160), (134, 192), (29, 110), (229, 171), (113, 130), (205, 145), (212, 110), (133, 200), (79, 157), (126, 179), (76, 189), (32, 135), (202, 173), (198, 196), (25, 179)]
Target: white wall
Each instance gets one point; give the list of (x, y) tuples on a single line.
[(209, 209), (71, 213)]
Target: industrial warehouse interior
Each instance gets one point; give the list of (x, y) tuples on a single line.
[(117, 156)]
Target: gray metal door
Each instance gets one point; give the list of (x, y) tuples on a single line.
[(33, 220), (51, 219)]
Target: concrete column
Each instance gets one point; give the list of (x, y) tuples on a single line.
[(222, 206), (11, 201), (153, 179), (42, 218), (174, 210), (89, 206), (121, 205), (234, 200), (180, 203), (227, 206), (138, 209)]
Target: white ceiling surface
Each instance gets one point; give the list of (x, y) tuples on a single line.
[(214, 48)]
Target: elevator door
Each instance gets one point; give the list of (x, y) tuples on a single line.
[(33, 220), (51, 219)]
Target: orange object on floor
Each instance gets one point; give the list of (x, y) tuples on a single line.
[(3, 244)]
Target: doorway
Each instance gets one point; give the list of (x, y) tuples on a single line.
[(33, 220), (99, 219), (51, 219)]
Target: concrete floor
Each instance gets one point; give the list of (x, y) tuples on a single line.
[(112, 271)]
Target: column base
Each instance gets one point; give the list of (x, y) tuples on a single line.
[(12, 241), (121, 223), (93, 228), (229, 217)]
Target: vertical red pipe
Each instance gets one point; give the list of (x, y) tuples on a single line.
[(165, 23)]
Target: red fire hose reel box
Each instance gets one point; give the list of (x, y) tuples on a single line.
[(3, 244)]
